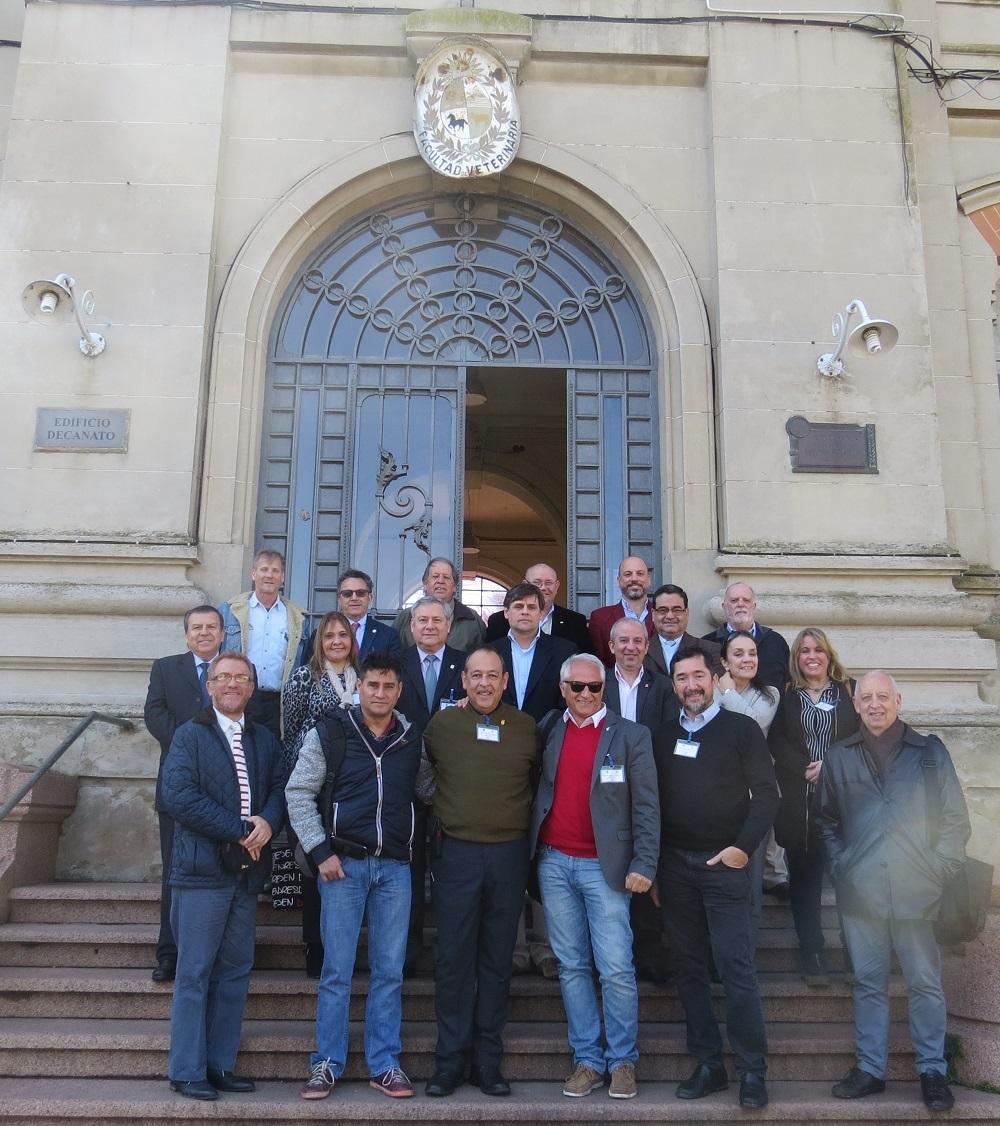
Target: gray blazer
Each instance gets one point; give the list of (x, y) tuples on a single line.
[(625, 816)]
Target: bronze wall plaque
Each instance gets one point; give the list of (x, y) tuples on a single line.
[(831, 447)]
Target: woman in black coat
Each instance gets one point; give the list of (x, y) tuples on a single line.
[(816, 711)]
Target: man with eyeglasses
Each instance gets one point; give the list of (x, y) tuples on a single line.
[(595, 832), (223, 786), (557, 621), (354, 599), (670, 621), (479, 771)]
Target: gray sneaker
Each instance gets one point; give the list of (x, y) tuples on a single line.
[(582, 1082), (320, 1082), (623, 1082)]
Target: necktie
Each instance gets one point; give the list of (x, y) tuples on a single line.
[(430, 680), (355, 626), (236, 742), (202, 674)]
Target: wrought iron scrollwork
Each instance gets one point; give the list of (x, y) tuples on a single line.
[(398, 506)]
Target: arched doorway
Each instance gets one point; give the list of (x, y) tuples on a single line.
[(364, 444)]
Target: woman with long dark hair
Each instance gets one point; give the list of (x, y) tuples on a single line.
[(816, 712), (314, 690)]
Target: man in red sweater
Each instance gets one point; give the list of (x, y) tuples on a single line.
[(595, 834)]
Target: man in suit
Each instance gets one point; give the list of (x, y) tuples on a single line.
[(440, 580), (739, 604), (223, 785), (596, 832), (270, 630), (634, 581), (354, 599), (432, 681), (632, 691), (532, 659), (177, 692), (556, 621), (670, 622)]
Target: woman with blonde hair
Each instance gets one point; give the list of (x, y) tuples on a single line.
[(816, 711)]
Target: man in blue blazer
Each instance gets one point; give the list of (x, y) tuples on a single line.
[(532, 659), (355, 590), (595, 834), (223, 784)]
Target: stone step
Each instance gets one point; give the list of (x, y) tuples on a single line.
[(99, 1102), (533, 1051), (100, 993), (278, 947), (127, 903)]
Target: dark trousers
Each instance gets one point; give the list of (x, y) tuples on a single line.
[(311, 933), (418, 883), (478, 896), (166, 947), (265, 708), (648, 951), (710, 907), (805, 893)]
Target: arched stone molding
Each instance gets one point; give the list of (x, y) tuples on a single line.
[(316, 207), (980, 200)]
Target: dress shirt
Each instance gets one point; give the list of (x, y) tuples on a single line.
[(198, 662), (669, 649), (545, 626), (699, 721), (438, 655), (521, 660), (630, 613), (594, 720), (628, 693), (358, 629), (231, 728), (268, 642)]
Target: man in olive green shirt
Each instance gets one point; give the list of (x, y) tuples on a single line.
[(480, 763)]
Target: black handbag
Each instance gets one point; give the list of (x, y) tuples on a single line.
[(965, 897)]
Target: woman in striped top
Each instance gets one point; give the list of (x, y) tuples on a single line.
[(816, 712)]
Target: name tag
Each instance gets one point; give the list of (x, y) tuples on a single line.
[(487, 733), (612, 773), (686, 749), (825, 706), (356, 700), (446, 704)]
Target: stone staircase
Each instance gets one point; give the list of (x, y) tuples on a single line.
[(84, 1033)]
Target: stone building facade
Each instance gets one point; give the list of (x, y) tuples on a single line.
[(698, 189)]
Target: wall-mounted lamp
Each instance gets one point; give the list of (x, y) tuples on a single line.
[(868, 339), (55, 302)]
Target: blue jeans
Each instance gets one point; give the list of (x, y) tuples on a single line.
[(583, 915), (380, 888), (871, 942), (215, 929)]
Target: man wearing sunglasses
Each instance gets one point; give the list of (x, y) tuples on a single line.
[(595, 834), (354, 599)]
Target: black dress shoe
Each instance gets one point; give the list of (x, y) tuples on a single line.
[(195, 1089), (165, 970), (442, 1083), (229, 1081), (491, 1082), (704, 1080), (753, 1091), (937, 1094), (857, 1084)]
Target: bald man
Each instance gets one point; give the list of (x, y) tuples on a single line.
[(635, 580), (557, 621), (739, 604)]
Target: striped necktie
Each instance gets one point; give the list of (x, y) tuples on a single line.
[(236, 742)]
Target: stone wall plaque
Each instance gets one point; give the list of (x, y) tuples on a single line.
[(831, 447), (84, 430)]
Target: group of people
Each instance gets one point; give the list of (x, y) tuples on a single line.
[(642, 787)]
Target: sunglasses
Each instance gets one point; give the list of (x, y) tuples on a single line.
[(345, 593), (577, 686)]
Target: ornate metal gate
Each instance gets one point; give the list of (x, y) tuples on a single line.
[(365, 406)]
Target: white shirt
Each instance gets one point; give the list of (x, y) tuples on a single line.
[(692, 725), (521, 660), (359, 633), (628, 694), (546, 624), (267, 645), (590, 721), (669, 648), (630, 613)]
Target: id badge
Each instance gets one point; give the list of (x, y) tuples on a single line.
[(612, 773), (356, 700), (487, 733), (825, 706), (446, 704), (686, 749)]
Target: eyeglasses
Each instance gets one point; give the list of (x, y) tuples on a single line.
[(577, 686), (661, 610), (345, 593), (231, 678)]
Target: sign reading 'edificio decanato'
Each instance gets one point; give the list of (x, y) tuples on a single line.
[(91, 431)]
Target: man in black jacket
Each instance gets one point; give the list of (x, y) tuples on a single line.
[(557, 621), (739, 604), (718, 798), (222, 785), (358, 832), (894, 824), (177, 692)]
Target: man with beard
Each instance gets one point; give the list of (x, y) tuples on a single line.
[(718, 798), (739, 604), (634, 581)]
